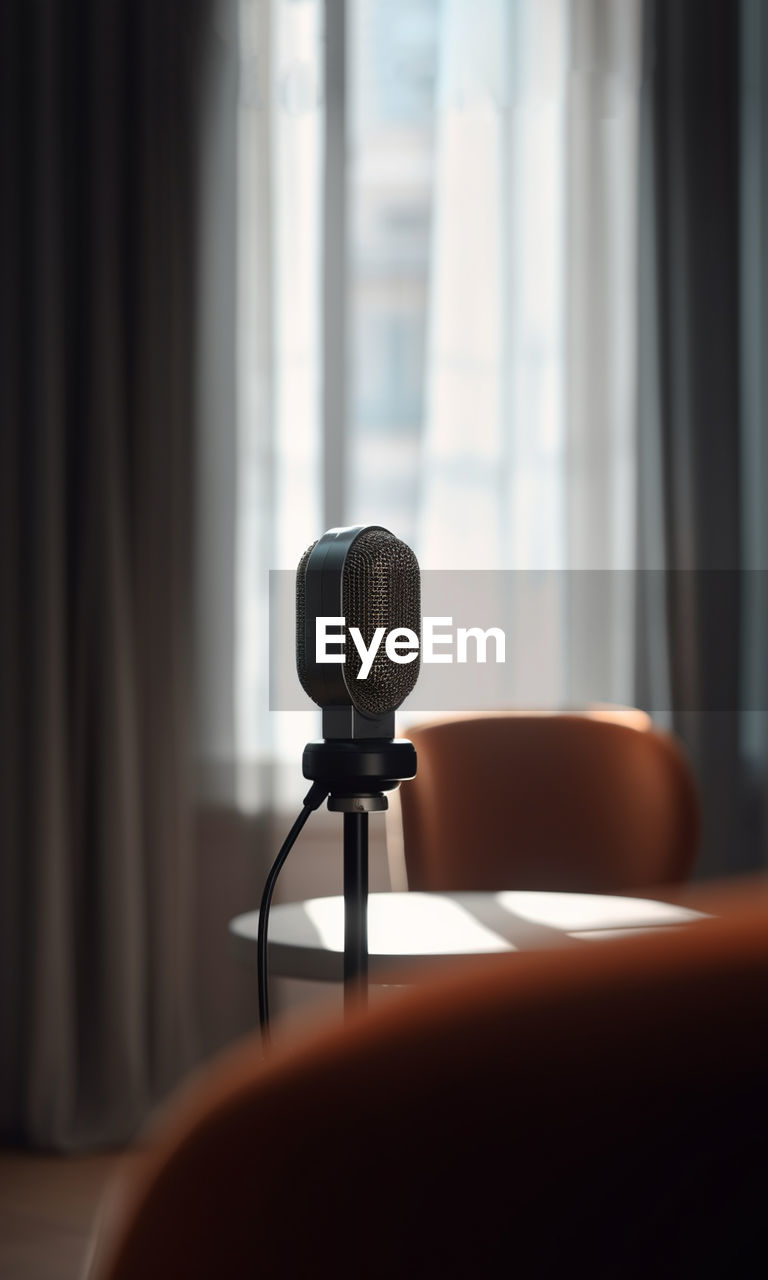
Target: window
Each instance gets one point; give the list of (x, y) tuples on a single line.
[(435, 280)]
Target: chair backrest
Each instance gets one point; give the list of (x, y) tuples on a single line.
[(605, 1106), (569, 802)]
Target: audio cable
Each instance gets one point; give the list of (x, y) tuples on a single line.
[(317, 793)]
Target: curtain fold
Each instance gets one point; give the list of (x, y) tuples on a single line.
[(97, 304), (690, 430), (260, 448), (753, 197)]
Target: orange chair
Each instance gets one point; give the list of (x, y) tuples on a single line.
[(580, 803), (603, 1108)]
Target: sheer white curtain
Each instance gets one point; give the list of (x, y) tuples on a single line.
[(278, 500), (492, 188), (260, 454), (528, 453)]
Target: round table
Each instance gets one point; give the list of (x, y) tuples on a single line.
[(413, 931)]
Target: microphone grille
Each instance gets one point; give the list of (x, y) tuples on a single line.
[(381, 588)]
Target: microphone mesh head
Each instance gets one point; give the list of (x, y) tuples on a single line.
[(381, 588)]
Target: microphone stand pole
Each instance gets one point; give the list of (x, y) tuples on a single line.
[(355, 810), (356, 774), (356, 908)]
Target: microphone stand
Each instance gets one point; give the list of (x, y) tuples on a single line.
[(355, 907), (357, 771)]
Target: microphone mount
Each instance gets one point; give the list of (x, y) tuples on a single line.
[(358, 773)]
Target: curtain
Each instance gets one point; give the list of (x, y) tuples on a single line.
[(492, 166), (98, 120), (260, 449), (701, 506), (753, 471), (528, 462), (592, 418)]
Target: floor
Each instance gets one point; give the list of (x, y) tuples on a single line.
[(47, 1209)]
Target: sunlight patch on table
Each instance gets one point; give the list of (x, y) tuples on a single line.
[(408, 924)]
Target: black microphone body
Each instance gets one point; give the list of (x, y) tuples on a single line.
[(366, 576)]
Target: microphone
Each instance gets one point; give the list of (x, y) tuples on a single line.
[(358, 636), (365, 580)]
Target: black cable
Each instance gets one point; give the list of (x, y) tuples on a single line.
[(313, 799)]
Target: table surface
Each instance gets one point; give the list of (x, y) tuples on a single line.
[(410, 931)]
